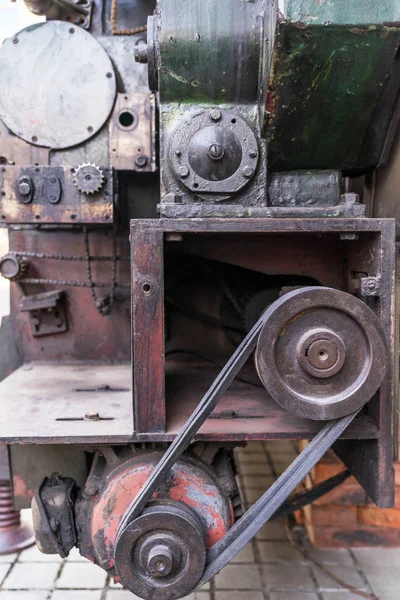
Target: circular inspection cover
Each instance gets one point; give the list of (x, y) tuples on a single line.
[(57, 85)]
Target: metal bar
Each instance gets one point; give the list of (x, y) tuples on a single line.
[(62, 283), (148, 330), (68, 257)]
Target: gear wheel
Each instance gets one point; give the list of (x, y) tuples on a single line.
[(89, 178)]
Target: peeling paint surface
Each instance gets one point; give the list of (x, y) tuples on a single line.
[(188, 482)]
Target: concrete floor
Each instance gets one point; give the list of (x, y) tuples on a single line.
[(269, 568)]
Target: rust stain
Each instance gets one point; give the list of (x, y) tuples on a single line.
[(21, 490)]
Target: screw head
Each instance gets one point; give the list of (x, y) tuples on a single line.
[(183, 171), (247, 172), (253, 153), (215, 115), (92, 416), (141, 160)]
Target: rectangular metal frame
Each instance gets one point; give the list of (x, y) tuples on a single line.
[(147, 242)]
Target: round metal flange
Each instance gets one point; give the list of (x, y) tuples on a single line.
[(57, 85), (161, 555), (322, 353), (214, 152)]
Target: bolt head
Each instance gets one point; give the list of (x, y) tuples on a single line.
[(140, 53), (215, 115), (253, 153), (24, 188), (183, 171), (216, 152), (247, 172), (160, 562), (349, 198)]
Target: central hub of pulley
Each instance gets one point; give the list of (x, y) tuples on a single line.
[(161, 555), (321, 353)]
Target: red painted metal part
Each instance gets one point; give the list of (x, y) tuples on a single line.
[(189, 482)]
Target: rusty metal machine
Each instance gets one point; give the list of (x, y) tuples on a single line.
[(201, 206)]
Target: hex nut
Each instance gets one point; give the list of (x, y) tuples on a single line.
[(248, 172)]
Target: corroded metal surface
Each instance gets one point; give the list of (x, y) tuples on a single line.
[(322, 354), (165, 565), (133, 133), (192, 511), (325, 87), (55, 73), (51, 195), (213, 52), (189, 482)]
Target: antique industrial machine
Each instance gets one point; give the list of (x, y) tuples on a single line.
[(201, 203)]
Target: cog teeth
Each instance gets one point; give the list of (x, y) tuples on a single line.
[(89, 178)]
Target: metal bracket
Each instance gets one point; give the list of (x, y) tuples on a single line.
[(133, 134), (42, 194), (46, 312)]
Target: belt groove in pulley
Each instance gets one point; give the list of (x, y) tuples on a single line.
[(323, 354)]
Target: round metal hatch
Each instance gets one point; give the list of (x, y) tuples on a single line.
[(57, 85)]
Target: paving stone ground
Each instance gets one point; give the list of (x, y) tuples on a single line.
[(269, 568)]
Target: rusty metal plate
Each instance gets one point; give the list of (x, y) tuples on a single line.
[(15, 151), (60, 202), (133, 134), (57, 85), (49, 402)]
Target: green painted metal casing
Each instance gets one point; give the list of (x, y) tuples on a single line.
[(334, 83)]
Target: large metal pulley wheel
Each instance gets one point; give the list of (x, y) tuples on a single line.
[(322, 353), (161, 555)]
